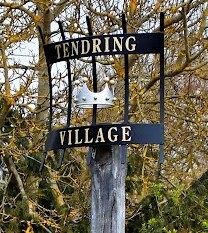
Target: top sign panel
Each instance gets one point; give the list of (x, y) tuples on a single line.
[(104, 45)]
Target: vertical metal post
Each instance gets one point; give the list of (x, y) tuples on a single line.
[(126, 87), (94, 76), (62, 152), (162, 83), (126, 77)]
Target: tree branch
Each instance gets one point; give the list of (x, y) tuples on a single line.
[(12, 168), (60, 6), (18, 6), (187, 51), (178, 17)]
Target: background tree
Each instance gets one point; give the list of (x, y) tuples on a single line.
[(56, 201)]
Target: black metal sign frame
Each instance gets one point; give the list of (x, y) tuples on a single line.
[(105, 134)]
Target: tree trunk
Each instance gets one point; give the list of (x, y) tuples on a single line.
[(108, 191)]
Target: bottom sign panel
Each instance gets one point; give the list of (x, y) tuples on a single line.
[(105, 134)]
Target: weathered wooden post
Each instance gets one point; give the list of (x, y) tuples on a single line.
[(108, 191), (108, 142)]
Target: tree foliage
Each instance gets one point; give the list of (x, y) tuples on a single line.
[(157, 197)]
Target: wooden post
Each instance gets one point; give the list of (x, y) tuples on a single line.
[(108, 191)]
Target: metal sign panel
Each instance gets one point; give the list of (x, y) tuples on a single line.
[(104, 45), (105, 134)]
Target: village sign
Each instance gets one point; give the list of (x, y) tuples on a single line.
[(104, 134)]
